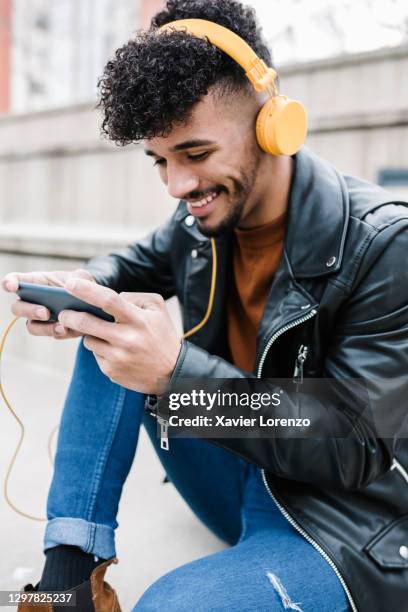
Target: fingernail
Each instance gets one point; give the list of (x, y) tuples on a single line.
[(59, 330), (41, 313), (70, 284)]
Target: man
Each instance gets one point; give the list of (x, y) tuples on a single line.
[(310, 282)]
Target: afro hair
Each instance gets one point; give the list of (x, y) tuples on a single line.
[(154, 80)]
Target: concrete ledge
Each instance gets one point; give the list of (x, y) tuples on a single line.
[(65, 241), (345, 59), (317, 123), (358, 121)]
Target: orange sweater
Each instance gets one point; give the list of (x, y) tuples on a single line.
[(257, 253)]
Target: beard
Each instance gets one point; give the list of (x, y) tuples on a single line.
[(230, 221), (242, 189)]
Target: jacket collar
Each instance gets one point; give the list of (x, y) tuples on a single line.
[(317, 222), (317, 217)]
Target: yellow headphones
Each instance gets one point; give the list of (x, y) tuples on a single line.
[(281, 125)]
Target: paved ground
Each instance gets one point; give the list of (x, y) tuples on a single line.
[(157, 530)]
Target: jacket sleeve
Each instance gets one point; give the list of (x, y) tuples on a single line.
[(368, 351), (143, 266)]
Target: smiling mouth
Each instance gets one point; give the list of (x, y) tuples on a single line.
[(206, 200), (205, 205)]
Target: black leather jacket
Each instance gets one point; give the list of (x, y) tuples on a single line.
[(341, 290)]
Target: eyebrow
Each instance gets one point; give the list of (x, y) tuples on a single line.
[(188, 144)]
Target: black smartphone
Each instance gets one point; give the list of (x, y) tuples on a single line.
[(57, 299)]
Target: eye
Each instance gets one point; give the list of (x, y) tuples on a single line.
[(199, 156), (159, 162)]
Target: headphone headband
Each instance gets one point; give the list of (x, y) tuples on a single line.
[(260, 75), (281, 125)]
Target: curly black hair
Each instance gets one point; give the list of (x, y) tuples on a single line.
[(154, 80)]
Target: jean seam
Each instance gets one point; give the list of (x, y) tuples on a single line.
[(244, 523), (244, 520), (103, 457), (91, 536)]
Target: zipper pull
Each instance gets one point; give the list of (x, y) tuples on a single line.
[(164, 433), (300, 360)]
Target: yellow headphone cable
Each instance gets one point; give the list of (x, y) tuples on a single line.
[(50, 438)]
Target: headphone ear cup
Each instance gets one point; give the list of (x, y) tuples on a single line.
[(281, 126)]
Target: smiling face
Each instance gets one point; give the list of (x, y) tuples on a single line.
[(215, 163)]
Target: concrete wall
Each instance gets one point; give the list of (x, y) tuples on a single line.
[(56, 172), (358, 107), (5, 18)]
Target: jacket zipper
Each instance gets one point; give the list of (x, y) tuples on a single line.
[(164, 425), (164, 433), (151, 408), (307, 537), (298, 376), (300, 360), (281, 331)]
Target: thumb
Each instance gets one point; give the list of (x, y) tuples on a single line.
[(9, 282), (148, 301)]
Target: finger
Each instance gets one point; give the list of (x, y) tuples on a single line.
[(36, 328), (64, 333), (35, 312), (100, 296), (88, 325), (153, 301), (40, 329), (50, 330), (97, 346), (12, 280)]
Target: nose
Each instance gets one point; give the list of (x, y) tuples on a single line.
[(180, 181)]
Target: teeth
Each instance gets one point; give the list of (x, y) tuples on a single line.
[(204, 201)]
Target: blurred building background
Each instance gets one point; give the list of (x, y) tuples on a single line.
[(54, 50), (66, 194)]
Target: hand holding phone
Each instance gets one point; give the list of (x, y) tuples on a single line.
[(57, 299), (39, 318)]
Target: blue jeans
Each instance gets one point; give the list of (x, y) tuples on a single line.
[(268, 565)]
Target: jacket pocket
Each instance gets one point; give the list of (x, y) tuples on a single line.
[(389, 548)]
